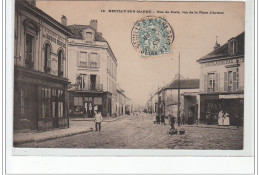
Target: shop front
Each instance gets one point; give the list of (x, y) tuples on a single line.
[(83, 104), (40, 101), (233, 104)]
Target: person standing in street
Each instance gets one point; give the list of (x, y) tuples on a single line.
[(98, 120), (182, 117), (220, 116), (163, 119), (237, 120)]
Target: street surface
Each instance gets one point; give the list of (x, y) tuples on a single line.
[(139, 132)]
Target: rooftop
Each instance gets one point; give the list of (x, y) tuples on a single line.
[(223, 51), (76, 29)]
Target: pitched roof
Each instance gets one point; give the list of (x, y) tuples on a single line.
[(184, 84), (76, 29), (41, 14), (222, 51)]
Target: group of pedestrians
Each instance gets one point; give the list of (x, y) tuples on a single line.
[(224, 119), (159, 119)]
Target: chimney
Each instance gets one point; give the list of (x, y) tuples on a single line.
[(93, 24), (217, 45), (63, 20)]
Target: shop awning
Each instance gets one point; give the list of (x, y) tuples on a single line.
[(231, 96)]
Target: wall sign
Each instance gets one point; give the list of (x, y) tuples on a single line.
[(54, 38), (224, 62)]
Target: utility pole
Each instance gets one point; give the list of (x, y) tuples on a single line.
[(178, 113)]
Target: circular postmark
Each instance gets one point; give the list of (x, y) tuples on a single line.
[(152, 36)]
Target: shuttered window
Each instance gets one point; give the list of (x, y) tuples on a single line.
[(235, 81), (205, 83), (225, 81)]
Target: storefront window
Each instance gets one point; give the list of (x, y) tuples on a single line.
[(78, 104), (60, 109), (46, 102)]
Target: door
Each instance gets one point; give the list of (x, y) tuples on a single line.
[(32, 95), (55, 120)]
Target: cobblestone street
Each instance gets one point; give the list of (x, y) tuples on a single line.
[(139, 132)]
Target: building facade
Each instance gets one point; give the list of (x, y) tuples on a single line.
[(124, 105), (92, 72), (40, 69), (222, 80), (189, 97)]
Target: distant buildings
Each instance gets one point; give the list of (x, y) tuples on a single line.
[(40, 69), (92, 72), (124, 105), (222, 79), (168, 98)]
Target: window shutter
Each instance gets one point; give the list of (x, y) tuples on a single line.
[(78, 58), (205, 82), (86, 59), (98, 60), (225, 81), (88, 81), (98, 83), (217, 82), (89, 59), (48, 56), (235, 82)]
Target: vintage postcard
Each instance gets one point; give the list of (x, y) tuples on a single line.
[(129, 75)]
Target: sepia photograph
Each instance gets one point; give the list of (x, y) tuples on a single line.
[(129, 75)]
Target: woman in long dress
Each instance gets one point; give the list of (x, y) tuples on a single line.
[(226, 119), (220, 117)]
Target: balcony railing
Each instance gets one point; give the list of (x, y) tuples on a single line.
[(96, 87)]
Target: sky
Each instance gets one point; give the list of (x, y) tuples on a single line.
[(195, 36)]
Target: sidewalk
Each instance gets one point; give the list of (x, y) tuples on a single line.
[(201, 125), (77, 126)]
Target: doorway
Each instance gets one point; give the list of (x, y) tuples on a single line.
[(93, 82)]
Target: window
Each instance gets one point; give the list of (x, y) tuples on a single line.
[(211, 82), (81, 82), (29, 48), (78, 101), (60, 63), (232, 47), (93, 82), (46, 102), (78, 104), (83, 59), (88, 36), (47, 58), (97, 101), (231, 81), (60, 109), (93, 60)]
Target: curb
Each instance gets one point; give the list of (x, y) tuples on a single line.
[(15, 143), (212, 127)]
